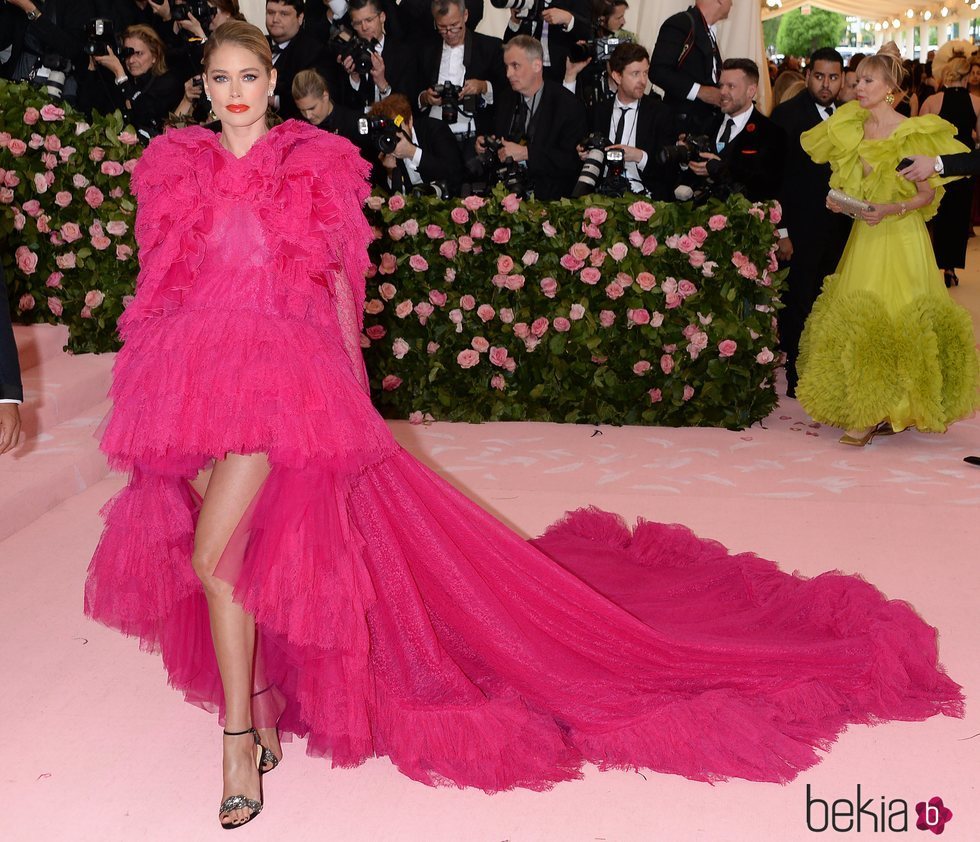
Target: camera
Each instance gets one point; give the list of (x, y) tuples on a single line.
[(683, 153), (100, 37), (345, 44), (200, 9), (594, 164), (599, 49), (487, 170), (381, 133), (526, 9), (450, 95), (51, 73), (438, 189)]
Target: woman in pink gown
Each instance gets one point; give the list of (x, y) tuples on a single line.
[(330, 586)]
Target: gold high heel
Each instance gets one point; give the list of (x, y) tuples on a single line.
[(859, 441)]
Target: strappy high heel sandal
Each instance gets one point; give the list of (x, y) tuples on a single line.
[(268, 761), (241, 802)]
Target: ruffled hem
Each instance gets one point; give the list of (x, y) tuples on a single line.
[(860, 364), (470, 657)]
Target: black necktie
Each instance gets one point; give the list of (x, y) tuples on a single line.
[(519, 125), (620, 125), (726, 134), (828, 110)]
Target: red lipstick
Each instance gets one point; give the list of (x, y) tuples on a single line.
[(237, 108)]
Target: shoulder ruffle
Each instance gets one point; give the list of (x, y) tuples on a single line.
[(836, 141)]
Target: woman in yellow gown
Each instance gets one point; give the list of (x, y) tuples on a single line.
[(885, 348)]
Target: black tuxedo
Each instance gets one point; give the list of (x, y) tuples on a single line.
[(415, 17), (557, 126), (10, 385), (752, 161), (303, 52), (817, 234), (559, 41), (482, 59), (963, 163), (654, 130), (685, 54), (400, 65), (441, 160)]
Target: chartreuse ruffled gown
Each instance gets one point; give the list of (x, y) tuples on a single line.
[(395, 617), (884, 340)]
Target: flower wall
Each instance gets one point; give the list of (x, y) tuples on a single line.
[(596, 310)]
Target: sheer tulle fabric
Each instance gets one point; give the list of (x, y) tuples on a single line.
[(397, 618)]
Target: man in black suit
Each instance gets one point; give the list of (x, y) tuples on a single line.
[(293, 50), (467, 59), (561, 24), (636, 122), (392, 60), (812, 238), (415, 17), (11, 390), (751, 147), (541, 121), (686, 63)]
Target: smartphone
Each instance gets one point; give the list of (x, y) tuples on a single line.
[(905, 162)]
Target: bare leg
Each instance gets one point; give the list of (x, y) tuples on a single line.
[(233, 484)]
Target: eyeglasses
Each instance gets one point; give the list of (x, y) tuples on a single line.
[(449, 30), (360, 24)]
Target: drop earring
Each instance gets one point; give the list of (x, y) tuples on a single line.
[(889, 98)]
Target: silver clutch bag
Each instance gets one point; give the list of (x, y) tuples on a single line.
[(849, 205)]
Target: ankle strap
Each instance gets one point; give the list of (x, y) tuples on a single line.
[(260, 692), (238, 733)]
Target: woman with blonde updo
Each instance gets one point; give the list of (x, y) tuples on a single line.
[(885, 348), (955, 104)]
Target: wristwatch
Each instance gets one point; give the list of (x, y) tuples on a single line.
[(34, 15), (938, 166)]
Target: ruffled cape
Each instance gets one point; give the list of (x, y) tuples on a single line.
[(839, 141)]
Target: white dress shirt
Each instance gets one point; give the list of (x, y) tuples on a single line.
[(633, 169)]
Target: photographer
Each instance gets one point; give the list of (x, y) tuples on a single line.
[(466, 60), (540, 123), (41, 42), (637, 122), (750, 146), (425, 152), (293, 50), (415, 18), (392, 60), (556, 24), (587, 65), (144, 90)]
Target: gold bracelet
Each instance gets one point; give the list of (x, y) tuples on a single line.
[(904, 210)]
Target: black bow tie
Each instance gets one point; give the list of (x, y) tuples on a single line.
[(277, 48)]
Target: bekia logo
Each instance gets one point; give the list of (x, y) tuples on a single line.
[(875, 814)]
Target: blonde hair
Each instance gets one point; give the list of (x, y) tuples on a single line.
[(309, 83), (888, 62), (153, 41), (787, 85), (956, 69), (239, 33)]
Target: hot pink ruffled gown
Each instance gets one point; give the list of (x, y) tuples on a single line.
[(395, 616)]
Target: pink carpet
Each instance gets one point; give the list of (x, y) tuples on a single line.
[(98, 748)]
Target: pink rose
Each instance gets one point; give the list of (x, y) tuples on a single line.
[(636, 239), (698, 234), (411, 227), (70, 232), (686, 244), (101, 242), (467, 358), (52, 143), (404, 308), (26, 302), (474, 203), (669, 285), (40, 183), (376, 332), (576, 312), (31, 116), (607, 318), (54, 305), (19, 221), (478, 231), (521, 330), (596, 215), (116, 192), (26, 260), (434, 232), (54, 280), (51, 113), (459, 216), (86, 313), (423, 310), (688, 392), (375, 202), (549, 286), (530, 258), (66, 152), (739, 259), (696, 259), (127, 300), (7, 196), (765, 356), (372, 307), (387, 291), (498, 355), (655, 395), (485, 312), (418, 263), (686, 288), (673, 300), (94, 197), (649, 246), (639, 316), (399, 348), (572, 264), (111, 168), (456, 317), (590, 275), (480, 344), (717, 222), (498, 382), (62, 199), (510, 203), (391, 382), (614, 291), (513, 282), (10, 179), (646, 281), (580, 251), (467, 302), (706, 320), (708, 270), (4, 139), (437, 297), (93, 298), (396, 202), (415, 417), (548, 229), (42, 223), (641, 211), (666, 363), (597, 257), (65, 261), (506, 315), (593, 231), (465, 243), (499, 280), (617, 251), (449, 274), (776, 213), (128, 138), (641, 367), (123, 252), (505, 264), (624, 279), (748, 270), (727, 348), (539, 327), (388, 264), (432, 347), (561, 324), (396, 232), (656, 319), (117, 227), (17, 147), (501, 235)]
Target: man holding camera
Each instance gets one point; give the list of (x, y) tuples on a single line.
[(392, 60), (556, 24), (687, 64), (635, 121), (293, 50), (466, 60), (540, 122), (750, 146)]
